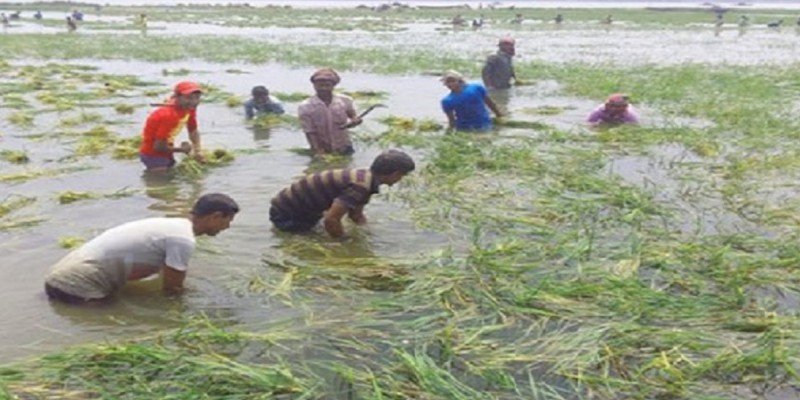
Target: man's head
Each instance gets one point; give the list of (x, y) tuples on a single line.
[(324, 80), (452, 79), (187, 94), (391, 166), (212, 213), (617, 103), (506, 45), (260, 94)]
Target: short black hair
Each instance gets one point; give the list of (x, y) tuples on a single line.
[(391, 161), (259, 90), (211, 203)]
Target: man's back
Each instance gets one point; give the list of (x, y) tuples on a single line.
[(129, 251), (312, 195)]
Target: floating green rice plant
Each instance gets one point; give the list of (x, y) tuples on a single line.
[(37, 173), (126, 149), (213, 158), (14, 156), (49, 98), (429, 125), (13, 203), (291, 97), (509, 123), (80, 119), (366, 94), (175, 72), (20, 223), (268, 121), (21, 118), (545, 110), (124, 109), (399, 122), (69, 196), (153, 93), (233, 101), (98, 131), (70, 242), (14, 100)]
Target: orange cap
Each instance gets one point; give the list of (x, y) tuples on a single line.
[(187, 87), (618, 99), (506, 39)]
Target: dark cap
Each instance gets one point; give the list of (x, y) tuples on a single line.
[(211, 203), (259, 90), (327, 74)]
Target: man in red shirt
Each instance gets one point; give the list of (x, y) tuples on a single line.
[(165, 123)]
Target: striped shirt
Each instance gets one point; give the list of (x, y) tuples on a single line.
[(312, 195)]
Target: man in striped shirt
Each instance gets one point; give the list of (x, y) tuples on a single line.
[(334, 193)]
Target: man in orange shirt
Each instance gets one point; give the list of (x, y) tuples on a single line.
[(158, 148)]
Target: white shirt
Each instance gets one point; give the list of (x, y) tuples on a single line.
[(129, 251)]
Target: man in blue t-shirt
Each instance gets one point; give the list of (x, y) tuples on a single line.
[(466, 104)]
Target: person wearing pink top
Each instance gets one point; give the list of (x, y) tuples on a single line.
[(616, 111), (326, 117)]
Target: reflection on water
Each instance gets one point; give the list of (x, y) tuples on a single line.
[(174, 194)]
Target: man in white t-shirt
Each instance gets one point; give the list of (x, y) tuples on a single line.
[(136, 250)]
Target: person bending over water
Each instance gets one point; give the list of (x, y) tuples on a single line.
[(329, 195), (136, 250)]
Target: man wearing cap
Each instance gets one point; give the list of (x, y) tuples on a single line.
[(615, 111), (499, 70), (262, 103), (136, 250), (330, 195), (326, 117), (158, 136), (466, 104)]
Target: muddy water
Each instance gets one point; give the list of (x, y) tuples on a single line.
[(223, 265), (624, 43)]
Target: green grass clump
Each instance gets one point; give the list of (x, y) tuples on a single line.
[(291, 97), (21, 119), (69, 196), (13, 203), (127, 149), (70, 242), (124, 109), (14, 156), (233, 101)]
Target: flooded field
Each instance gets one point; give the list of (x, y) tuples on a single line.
[(543, 260)]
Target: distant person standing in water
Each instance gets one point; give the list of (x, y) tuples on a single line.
[(262, 103), (498, 71), (615, 111), (558, 19), (157, 151), (4, 20), (466, 104), (326, 116), (71, 25), (136, 250), (142, 21), (37, 15)]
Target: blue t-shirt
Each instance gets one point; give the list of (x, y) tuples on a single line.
[(469, 106)]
